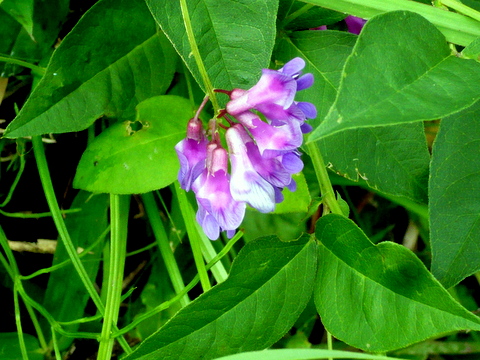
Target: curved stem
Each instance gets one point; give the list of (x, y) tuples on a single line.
[(118, 248), (326, 189), (198, 58)]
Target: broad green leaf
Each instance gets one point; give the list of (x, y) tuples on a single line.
[(134, 157), (379, 297), (297, 201), (325, 53), (455, 197), (269, 285), (234, 48), (65, 297), (10, 348), (401, 70), (21, 11), (399, 153), (303, 354), (390, 159), (130, 62)]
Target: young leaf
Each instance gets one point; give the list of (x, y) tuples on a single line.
[(269, 285), (401, 70), (455, 197), (130, 62), (234, 48), (134, 157), (379, 297), (20, 10)]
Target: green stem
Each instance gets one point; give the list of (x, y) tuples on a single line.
[(326, 188), (56, 349), (36, 215), (163, 243), (36, 69), (193, 235), (457, 28), (296, 14), (18, 321), (14, 273), (198, 58), (329, 343), (17, 178), (119, 205), (462, 9), (47, 185), (208, 251)]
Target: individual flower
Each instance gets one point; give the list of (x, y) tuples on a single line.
[(217, 209), (192, 153), (246, 184)]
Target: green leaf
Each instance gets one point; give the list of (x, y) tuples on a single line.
[(14, 42), (379, 297), (234, 48), (401, 70), (269, 285), (472, 51), (131, 62), (10, 348), (455, 197), (65, 297), (302, 354), (297, 201), (325, 53), (390, 159), (20, 10), (134, 157)]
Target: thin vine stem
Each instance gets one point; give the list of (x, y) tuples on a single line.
[(47, 185), (36, 69), (161, 237), (118, 248), (326, 188), (197, 56)]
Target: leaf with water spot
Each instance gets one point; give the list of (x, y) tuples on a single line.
[(137, 156)]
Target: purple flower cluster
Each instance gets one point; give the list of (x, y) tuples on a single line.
[(263, 154)]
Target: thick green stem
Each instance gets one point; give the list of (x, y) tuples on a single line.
[(193, 235), (152, 211), (326, 190), (118, 248), (47, 185), (196, 54)]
